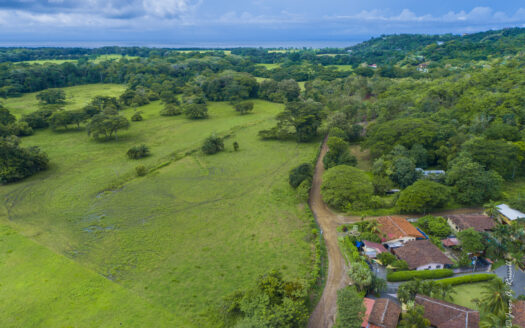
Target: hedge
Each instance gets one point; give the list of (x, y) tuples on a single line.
[(467, 279), (419, 274)]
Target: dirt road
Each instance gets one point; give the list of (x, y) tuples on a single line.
[(325, 311)]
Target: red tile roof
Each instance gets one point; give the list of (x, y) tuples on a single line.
[(449, 242), (369, 304), (478, 222), (447, 315), (421, 252), (394, 227), (385, 314), (518, 311)]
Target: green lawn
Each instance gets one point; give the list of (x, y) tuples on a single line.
[(467, 292), (270, 66), (342, 67), (192, 231), (76, 97)]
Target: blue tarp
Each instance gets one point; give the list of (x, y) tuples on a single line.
[(358, 244), (424, 234)]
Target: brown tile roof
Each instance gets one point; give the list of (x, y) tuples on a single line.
[(369, 304), (478, 222), (380, 248), (385, 313), (421, 252), (394, 227), (449, 242), (447, 315), (518, 311)]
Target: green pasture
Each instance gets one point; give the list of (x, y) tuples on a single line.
[(270, 66), (195, 229)]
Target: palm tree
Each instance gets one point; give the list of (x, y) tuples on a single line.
[(494, 298), (492, 320), (491, 208), (414, 318), (446, 292)]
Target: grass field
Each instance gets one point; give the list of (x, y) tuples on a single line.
[(99, 59), (467, 292), (342, 67), (76, 97), (193, 230)]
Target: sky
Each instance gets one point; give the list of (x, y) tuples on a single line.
[(243, 22)]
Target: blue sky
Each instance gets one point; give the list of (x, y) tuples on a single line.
[(244, 21)]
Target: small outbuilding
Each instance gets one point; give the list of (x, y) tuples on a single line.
[(372, 249), (508, 214)]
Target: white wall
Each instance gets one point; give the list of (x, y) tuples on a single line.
[(431, 266)]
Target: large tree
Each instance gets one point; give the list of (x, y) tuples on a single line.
[(6, 117), (52, 96), (471, 241), (423, 196), (304, 117), (105, 125), (17, 163), (345, 185)]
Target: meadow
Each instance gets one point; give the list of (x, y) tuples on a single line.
[(97, 59), (195, 229)]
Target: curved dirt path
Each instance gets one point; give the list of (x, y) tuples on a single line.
[(325, 311)]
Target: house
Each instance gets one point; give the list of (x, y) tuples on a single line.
[(396, 231), (447, 315), (507, 214), (385, 314), (422, 255), (369, 304), (450, 242), (478, 222), (429, 173), (518, 311), (373, 66), (372, 249)]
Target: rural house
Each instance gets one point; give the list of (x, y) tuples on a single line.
[(396, 231), (385, 314), (478, 222), (447, 315), (508, 214), (422, 255), (372, 249)]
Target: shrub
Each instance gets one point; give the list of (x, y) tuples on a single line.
[(141, 170), (137, 117), (467, 279), (303, 191), (244, 107), (300, 173), (386, 258), (212, 145), (171, 110), (235, 146), (137, 152), (17, 163), (435, 226), (400, 265), (419, 274), (344, 185), (196, 111)]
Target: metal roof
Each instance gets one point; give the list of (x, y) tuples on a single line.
[(510, 213)]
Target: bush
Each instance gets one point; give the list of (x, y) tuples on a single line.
[(434, 226), (196, 111), (422, 196), (400, 265), (141, 170), (419, 274), (137, 117), (303, 191), (17, 163), (467, 279), (170, 110), (300, 173), (344, 185), (212, 145), (235, 146), (244, 107), (386, 258), (137, 152)]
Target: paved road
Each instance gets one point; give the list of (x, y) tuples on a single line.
[(519, 279)]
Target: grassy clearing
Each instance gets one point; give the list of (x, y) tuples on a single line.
[(99, 59), (195, 229), (346, 68), (102, 58), (467, 292), (514, 188), (76, 97), (270, 66), (43, 289), (364, 159)]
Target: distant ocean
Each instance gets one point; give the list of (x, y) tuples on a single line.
[(203, 45)]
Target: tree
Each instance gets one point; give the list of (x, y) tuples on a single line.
[(403, 172), (360, 274), (344, 185), (494, 298), (244, 107), (386, 258), (137, 116), (350, 308), (300, 173), (137, 152), (302, 116), (498, 155), (196, 111), (17, 163), (434, 226), (338, 153), (472, 183), (60, 118), (170, 109), (491, 208), (235, 146), (289, 89), (423, 196), (6, 117), (213, 145), (106, 125), (471, 241), (51, 96), (414, 318)]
